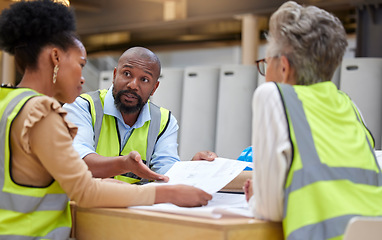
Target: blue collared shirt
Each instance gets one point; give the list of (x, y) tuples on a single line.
[(165, 150)]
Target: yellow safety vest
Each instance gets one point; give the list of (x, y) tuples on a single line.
[(334, 174), (142, 140), (27, 212)]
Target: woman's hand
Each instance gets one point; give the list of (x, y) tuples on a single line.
[(248, 190), (182, 195)]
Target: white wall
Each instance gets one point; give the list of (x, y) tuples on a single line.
[(177, 61), (221, 57), (200, 57)]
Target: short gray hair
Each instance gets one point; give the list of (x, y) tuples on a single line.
[(313, 40)]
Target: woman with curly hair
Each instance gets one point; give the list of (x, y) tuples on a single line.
[(39, 169)]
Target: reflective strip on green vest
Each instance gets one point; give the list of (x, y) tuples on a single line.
[(315, 175), (97, 122), (27, 212), (96, 100), (57, 233)]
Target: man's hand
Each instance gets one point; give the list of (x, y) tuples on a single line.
[(134, 163), (204, 155), (248, 190)]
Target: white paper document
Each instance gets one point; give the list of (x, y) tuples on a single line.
[(221, 205), (210, 176)]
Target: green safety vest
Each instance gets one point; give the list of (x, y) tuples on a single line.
[(27, 212), (106, 135), (334, 174)]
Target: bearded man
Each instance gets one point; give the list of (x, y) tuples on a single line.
[(116, 121)]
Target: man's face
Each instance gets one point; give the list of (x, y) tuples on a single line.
[(135, 80)]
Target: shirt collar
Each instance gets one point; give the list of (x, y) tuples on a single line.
[(110, 109)]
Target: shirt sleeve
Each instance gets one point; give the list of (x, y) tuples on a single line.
[(272, 153), (79, 114), (166, 149), (51, 143)]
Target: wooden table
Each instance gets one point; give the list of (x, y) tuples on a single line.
[(123, 223), (236, 185)]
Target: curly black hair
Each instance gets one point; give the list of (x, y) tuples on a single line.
[(27, 27)]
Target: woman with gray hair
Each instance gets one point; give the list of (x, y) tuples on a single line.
[(312, 40), (314, 157)]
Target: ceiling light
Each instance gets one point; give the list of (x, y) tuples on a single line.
[(65, 2)]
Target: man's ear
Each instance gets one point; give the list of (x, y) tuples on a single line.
[(155, 88), (114, 74)]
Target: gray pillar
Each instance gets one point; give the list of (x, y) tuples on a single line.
[(369, 30)]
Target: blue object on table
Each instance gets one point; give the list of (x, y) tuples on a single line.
[(246, 156)]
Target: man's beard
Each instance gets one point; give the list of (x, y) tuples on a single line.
[(124, 108)]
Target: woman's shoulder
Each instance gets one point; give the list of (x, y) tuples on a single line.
[(43, 100), (266, 90), (38, 108)]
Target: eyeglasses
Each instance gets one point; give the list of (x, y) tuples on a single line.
[(262, 66)]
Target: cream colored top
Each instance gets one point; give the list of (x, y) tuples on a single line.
[(272, 153), (41, 141)]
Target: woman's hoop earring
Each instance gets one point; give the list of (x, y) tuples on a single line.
[(55, 71)]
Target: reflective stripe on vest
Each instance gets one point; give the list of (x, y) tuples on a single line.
[(27, 211), (99, 115), (60, 233), (319, 172), (154, 129)]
